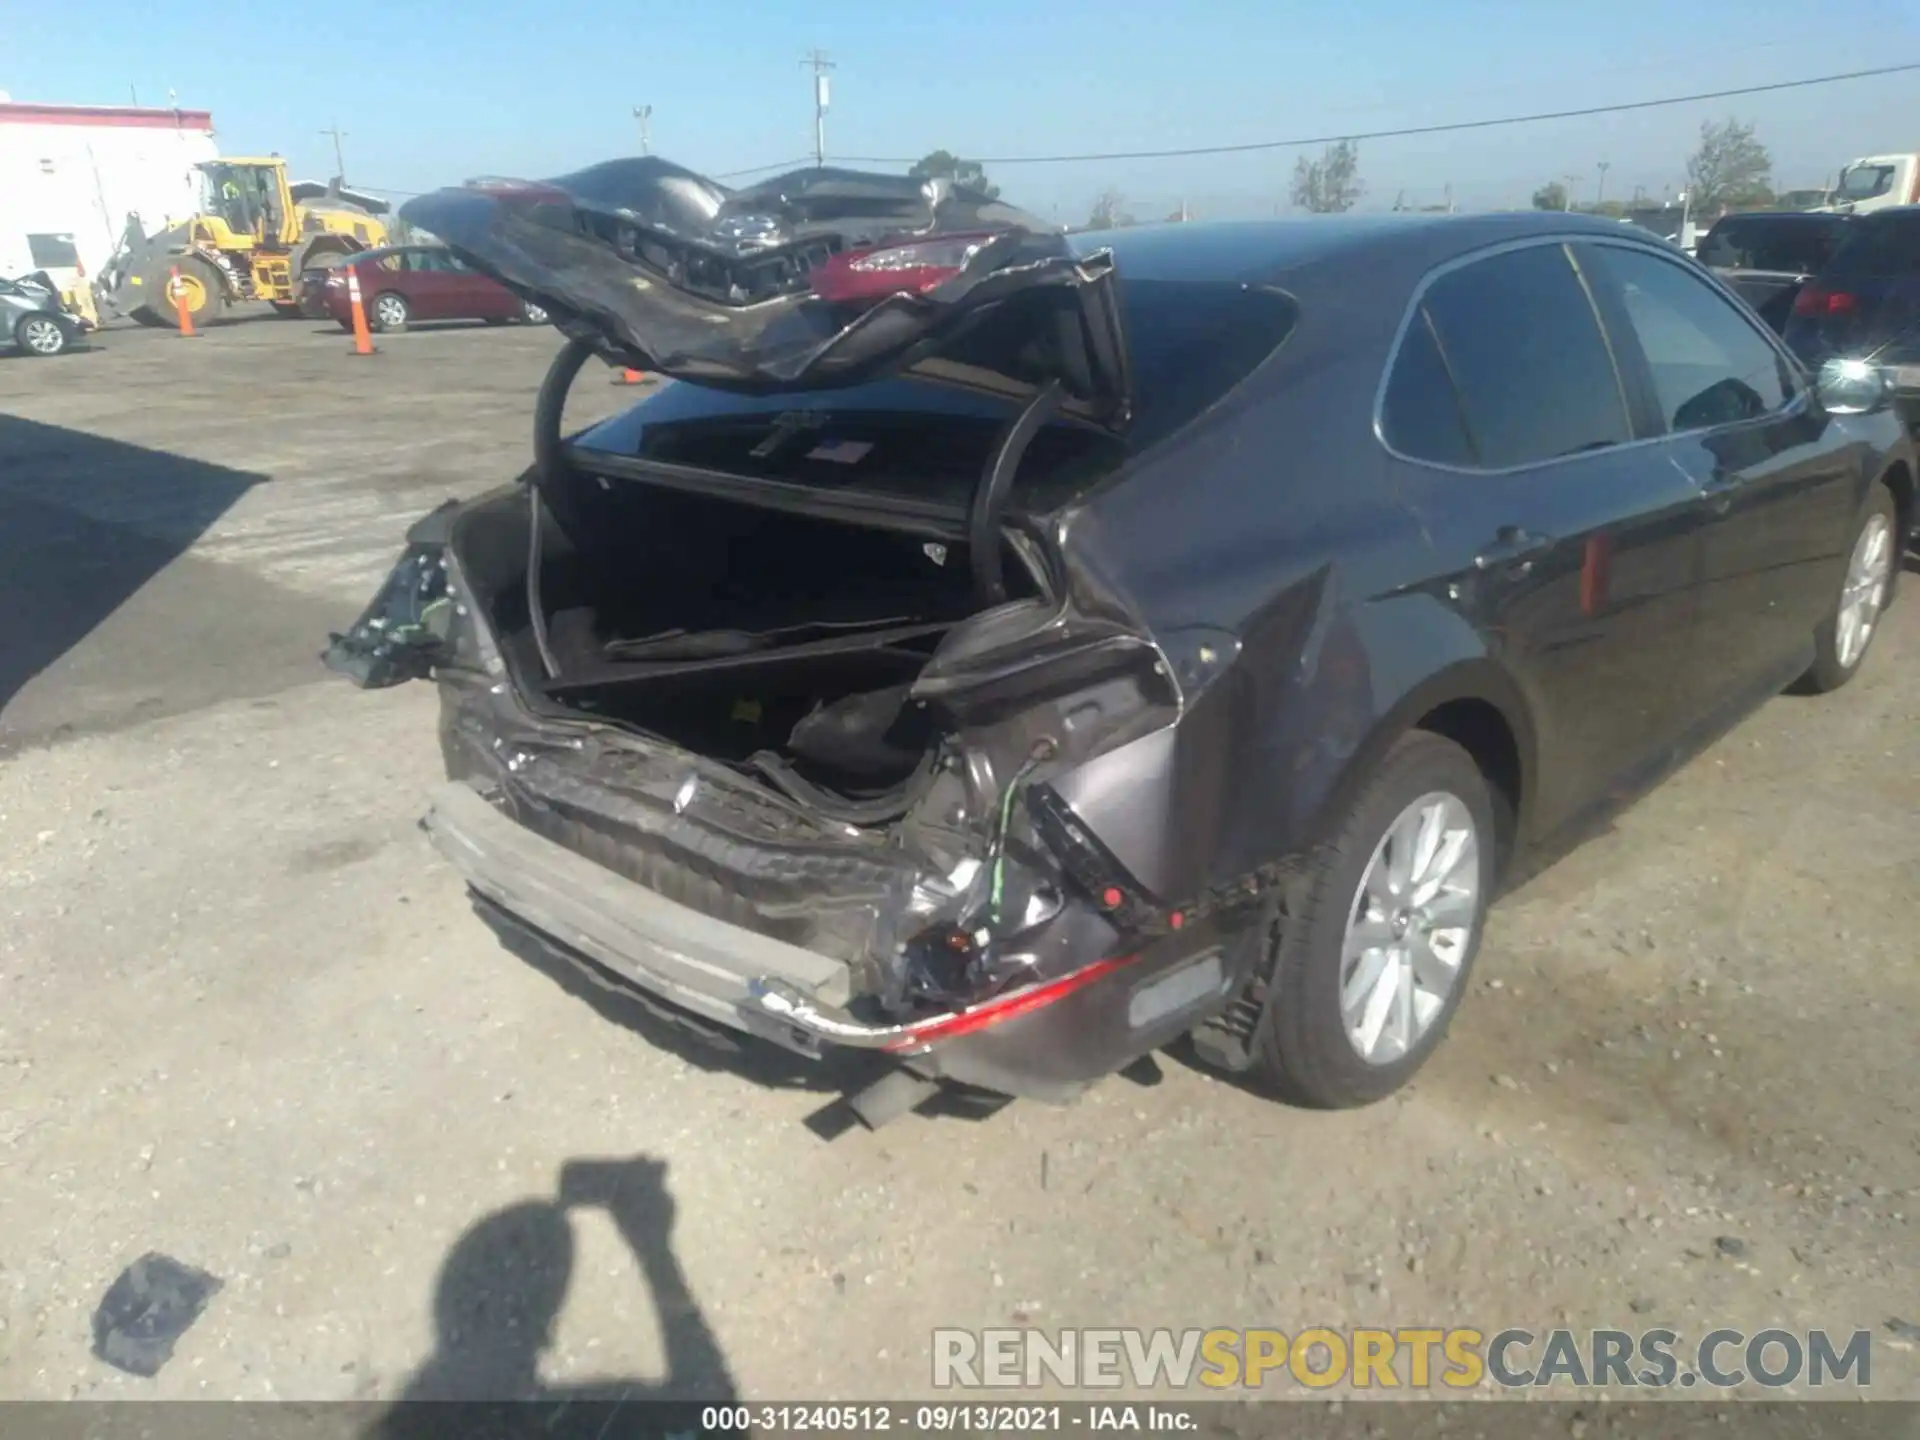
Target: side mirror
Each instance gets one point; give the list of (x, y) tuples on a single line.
[(1853, 387)]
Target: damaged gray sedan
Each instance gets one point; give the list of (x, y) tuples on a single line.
[(1008, 654)]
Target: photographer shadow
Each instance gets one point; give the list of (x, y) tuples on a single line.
[(500, 1293)]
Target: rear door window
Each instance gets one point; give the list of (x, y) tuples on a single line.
[(1709, 364), (1527, 358)]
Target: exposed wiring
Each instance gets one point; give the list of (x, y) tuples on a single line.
[(996, 888)]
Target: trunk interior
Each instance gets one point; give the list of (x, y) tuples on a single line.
[(730, 630)]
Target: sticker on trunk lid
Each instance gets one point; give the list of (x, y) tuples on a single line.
[(841, 452)]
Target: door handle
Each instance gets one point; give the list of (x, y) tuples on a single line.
[(1515, 547)]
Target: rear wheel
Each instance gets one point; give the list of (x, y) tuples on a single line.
[(388, 313), (147, 316), (1840, 644), (41, 335), (1374, 955), (532, 313)]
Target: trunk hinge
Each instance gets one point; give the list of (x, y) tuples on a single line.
[(549, 469), (990, 495)]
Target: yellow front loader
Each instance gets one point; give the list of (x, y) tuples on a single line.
[(251, 239)]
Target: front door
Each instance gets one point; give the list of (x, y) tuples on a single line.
[(1572, 542), (1773, 470)]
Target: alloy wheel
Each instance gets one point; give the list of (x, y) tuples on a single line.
[(389, 311), (42, 335), (1868, 572), (1410, 928)]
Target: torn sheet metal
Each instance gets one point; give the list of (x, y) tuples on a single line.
[(667, 270)]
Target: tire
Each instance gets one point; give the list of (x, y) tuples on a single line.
[(152, 318), (286, 309), (388, 312), (532, 313), (202, 285), (1302, 1049), (42, 336), (1868, 579)]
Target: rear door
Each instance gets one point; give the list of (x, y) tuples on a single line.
[(473, 295), (1774, 473), (1573, 544), (430, 290)]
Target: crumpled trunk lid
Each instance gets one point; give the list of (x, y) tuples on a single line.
[(662, 268)]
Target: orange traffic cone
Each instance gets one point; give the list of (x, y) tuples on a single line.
[(362, 337), (179, 294)]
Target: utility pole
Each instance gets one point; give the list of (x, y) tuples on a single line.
[(1600, 190), (820, 65), (1570, 181), (339, 160), (644, 114)]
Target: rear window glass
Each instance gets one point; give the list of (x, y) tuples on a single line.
[(1883, 245), (1189, 343), (1796, 246)]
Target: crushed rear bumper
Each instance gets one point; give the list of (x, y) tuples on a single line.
[(1044, 1041)]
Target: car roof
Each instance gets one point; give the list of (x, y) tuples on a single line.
[(1251, 250)]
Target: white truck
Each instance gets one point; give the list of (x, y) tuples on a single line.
[(1876, 182)]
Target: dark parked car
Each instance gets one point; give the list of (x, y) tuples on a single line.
[(33, 320), (1010, 652), (1766, 256), (400, 284), (1866, 304)]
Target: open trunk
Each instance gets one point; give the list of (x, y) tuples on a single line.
[(783, 643)]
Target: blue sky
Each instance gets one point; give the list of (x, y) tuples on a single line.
[(432, 93)]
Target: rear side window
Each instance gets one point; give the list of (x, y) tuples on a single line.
[(1527, 358), (1709, 365), (1421, 414), (1883, 245), (1798, 247)]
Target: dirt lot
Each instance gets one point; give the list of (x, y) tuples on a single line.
[(247, 1020)]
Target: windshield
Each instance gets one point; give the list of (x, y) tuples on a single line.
[(1864, 182), (1799, 246)]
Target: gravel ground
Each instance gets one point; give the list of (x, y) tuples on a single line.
[(247, 1020)]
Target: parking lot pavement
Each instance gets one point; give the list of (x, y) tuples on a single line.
[(248, 1021)]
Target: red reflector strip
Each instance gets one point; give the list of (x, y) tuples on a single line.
[(1020, 1002)]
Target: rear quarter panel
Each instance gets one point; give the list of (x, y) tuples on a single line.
[(1274, 521)]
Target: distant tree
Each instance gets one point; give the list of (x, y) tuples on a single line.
[(945, 165), (1109, 212), (1730, 168), (1331, 183), (1550, 196)]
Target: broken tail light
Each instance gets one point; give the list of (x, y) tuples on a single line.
[(914, 268)]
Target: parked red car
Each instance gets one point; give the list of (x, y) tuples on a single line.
[(403, 283)]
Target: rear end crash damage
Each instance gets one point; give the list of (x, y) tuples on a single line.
[(1002, 914), (976, 927)]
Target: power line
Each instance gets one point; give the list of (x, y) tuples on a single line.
[(1405, 132), (762, 169), (1412, 130)]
